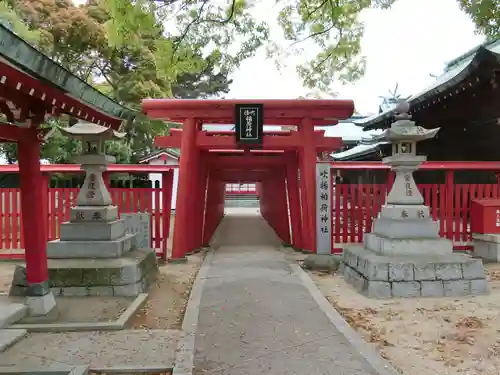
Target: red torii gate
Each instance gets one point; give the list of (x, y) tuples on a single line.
[(210, 159)]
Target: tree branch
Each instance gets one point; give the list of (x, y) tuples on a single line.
[(197, 19), (101, 69), (315, 10), (327, 30)]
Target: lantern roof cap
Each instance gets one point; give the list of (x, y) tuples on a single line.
[(85, 130)]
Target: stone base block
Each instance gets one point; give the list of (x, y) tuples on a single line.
[(93, 213), (486, 247), (40, 305), (321, 262), (129, 275), (408, 246), (93, 231), (404, 212), (60, 249), (379, 276), (408, 228)]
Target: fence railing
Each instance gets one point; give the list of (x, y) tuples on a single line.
[(355, 206), (237, 189), (59, 202)]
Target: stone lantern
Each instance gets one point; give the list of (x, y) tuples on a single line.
[(93, 161), (95, 255), (404, 255), (404, 135)]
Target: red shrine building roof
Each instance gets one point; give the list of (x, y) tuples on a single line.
[(31, 85)]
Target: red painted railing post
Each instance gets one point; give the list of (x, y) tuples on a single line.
[(210, 211), (294, 200), (449, 204), (199, 207), (282, 209), (167, 182), (45, 204)]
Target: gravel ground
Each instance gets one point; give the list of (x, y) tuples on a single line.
[(452, 336), (83, 310), (168, 297), (151, 341), (94, 349)]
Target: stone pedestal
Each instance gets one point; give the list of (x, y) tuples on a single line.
[(487, 247), (128, 275), (405, 257), (381, 276)]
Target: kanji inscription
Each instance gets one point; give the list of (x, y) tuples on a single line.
[(323, 208)]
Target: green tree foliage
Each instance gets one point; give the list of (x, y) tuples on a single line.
[(135, 49), (78, 38), (332, 25), (485, 14), (10, 19)]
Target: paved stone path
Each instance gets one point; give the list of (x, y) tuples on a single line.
[(257, 317)]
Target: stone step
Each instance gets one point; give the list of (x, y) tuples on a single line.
[(9, 337), (11, 313)]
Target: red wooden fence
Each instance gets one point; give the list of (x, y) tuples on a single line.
[(60, 200), (243, 189), (354, 206)]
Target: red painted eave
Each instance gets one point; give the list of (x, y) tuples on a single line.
[(50, 98)]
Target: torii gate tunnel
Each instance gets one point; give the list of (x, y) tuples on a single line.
[(283, 163)]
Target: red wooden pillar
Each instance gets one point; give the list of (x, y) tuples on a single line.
[(35, 240), (45, 204), (261, 199), (264, 200), (308, 175), (270, 187), (167, 184), (282, 218), (184, 193), (221, 195), (199, 207), (294, 199), (305, 232), (210, 211)]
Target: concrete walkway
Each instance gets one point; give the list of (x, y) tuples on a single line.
[(256, 315)]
